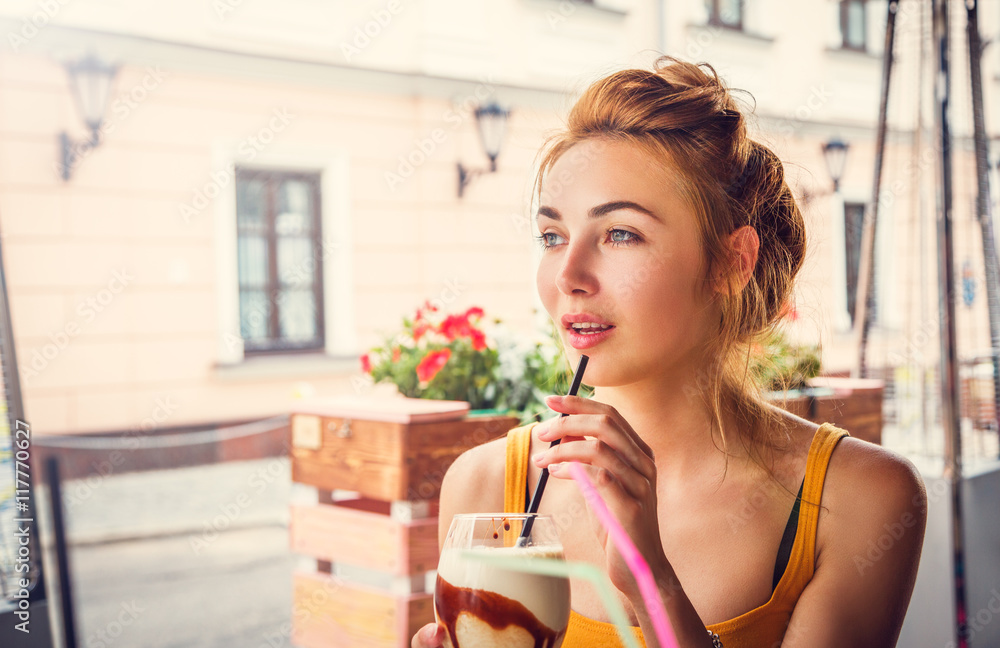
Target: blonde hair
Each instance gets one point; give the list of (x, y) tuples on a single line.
[(681, 111)]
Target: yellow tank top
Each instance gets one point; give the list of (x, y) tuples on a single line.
[(762, 626)]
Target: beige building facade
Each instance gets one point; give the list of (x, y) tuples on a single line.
[(276, 183)]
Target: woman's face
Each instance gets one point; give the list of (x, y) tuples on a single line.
[(621, 247)]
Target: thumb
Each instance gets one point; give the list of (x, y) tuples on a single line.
[(433, 635)]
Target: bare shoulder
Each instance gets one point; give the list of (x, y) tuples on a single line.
[(872, 517), (872, 497), (864, 472), (473, 482)]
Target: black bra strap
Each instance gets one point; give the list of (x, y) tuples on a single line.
[(787, 540)]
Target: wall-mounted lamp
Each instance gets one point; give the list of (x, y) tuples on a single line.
[(492, 123), (90, 82), (835, 152)]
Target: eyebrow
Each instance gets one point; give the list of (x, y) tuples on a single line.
[(600, 210)]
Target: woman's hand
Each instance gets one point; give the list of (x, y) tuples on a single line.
[(621, 466), (430, 636)]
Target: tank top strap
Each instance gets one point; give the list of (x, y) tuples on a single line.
[(802, 562), (515, 480)]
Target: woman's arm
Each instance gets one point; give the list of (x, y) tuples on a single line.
[(871, 531), (473, 484)]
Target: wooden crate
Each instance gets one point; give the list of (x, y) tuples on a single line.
[(363, 532), (381, 459), (855, 405), (334, 613)]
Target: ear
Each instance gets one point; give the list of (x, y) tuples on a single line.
[(744, 244)]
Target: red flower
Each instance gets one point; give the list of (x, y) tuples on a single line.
[(431, 364), (419, 331), (395, 354), (478, 340), (475, 311), (366, 364), (455, 326)]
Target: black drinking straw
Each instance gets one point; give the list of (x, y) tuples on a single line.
[(540, 488)]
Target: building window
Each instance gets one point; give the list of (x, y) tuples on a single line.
[(854, 216), (725, 13), (279, 258), (853, 26)]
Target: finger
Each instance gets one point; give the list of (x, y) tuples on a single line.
[(623, 506), (580, 405), (598, 455), (606, 428), (430, 636)]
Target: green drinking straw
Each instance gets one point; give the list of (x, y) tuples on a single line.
[(563, 568)]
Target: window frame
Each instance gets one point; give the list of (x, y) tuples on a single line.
[(844, 24), (855, 271), (715, 16), (272, 180)]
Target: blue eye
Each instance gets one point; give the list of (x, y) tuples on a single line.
[(619, 237), (631, 240), (544, 240)]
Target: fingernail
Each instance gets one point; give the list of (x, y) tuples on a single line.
[(555, 467), (553, 398), (538, 457)]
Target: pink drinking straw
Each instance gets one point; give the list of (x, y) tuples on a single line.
[(640, 568)]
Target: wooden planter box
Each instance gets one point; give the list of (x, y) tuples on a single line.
[(382, 459), (374, 552), (850, 403), (364, 533), (329, 612)]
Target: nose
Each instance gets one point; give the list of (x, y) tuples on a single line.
[(576, 272)]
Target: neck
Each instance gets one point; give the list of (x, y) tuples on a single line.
[(672, 417)]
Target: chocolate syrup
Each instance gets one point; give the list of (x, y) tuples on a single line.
[(498, 611)]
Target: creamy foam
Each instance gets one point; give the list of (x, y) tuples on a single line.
[(501, 607)]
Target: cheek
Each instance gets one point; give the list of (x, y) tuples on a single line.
[(545, 283)]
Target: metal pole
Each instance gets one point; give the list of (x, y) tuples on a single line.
[(62, 553), (864, 302), (950, 412), (983, 211)]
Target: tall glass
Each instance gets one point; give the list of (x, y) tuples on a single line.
[(481, 605)]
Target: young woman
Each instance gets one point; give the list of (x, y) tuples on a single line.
[(676, 238)]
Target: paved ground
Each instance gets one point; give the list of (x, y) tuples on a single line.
[(186, 557)]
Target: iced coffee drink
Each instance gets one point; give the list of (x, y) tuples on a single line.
[(481, 605)]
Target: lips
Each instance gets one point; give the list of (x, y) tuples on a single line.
[(578, 318), (589, 337)]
